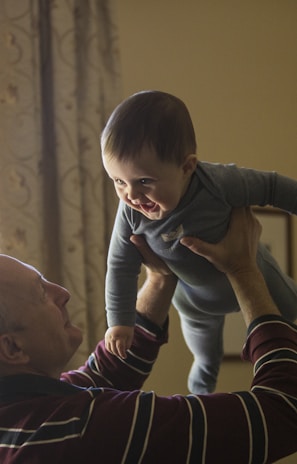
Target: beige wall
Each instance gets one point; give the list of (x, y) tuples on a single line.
[(234, 64)]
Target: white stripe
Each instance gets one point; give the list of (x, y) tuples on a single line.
[(131, 428), (145, 361), (146, 330), (133, 368), (279, 393), (149, 426), (190, 431), (264, 425), (39, 442), (249, 427), (205, 427), (88, 418), (272, 322), (273, 361), (47, 424)]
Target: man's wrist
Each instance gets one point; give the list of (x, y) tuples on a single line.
[(154, 297), (156, 277), (252, 293), (146, 323)]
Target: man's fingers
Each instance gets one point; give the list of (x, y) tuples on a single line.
[(195, 245), (239, 245), (142, 247), (150, 259)]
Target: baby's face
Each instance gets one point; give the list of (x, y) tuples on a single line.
[(149, 185)]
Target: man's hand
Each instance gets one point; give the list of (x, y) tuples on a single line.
[(118, 340), (237, 251), (236, 256), (151, 261)]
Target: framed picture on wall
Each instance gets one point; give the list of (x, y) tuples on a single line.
[(277, 237)]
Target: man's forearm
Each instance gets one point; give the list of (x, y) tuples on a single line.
[(252, 294), (154, 297)]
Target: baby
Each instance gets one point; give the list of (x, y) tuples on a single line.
[(149, 152)]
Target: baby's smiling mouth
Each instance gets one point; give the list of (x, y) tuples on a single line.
[(148, 207)]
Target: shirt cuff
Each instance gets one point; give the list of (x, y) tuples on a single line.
[(147, 324)]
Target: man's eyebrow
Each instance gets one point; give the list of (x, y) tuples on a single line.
[(39, 277), (40, 280)]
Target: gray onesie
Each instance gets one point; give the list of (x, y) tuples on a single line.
[(203, 295)]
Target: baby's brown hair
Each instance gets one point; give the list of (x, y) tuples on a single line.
[(152, 119)]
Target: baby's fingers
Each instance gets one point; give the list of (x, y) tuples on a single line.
[(120, 348)]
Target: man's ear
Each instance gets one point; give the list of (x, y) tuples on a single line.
[(189, 164), (10, 351)]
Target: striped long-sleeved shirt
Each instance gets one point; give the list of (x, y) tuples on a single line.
[(98, 415)]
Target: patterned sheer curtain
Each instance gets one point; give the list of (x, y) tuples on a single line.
[(59, 81)]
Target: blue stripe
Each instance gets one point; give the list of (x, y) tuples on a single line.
[(257, 427), (283, 354), (44, 433), (141, 428), (47, 432), (269, 318), (198, 430), (139, 364)]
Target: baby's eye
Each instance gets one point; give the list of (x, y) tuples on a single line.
[(119, 182), (145, 181)]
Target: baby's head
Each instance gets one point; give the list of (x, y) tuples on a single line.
[(153, 119), (148, 149)]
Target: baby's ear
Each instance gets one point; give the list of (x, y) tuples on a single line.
[(189, 164)]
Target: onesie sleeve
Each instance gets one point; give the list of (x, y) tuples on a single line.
[(123, 268), (269, 188), (241, 186)]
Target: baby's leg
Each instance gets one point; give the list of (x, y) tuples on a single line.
[(204, 337)]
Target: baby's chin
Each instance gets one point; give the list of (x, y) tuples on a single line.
[(150, 210), (155, 215)]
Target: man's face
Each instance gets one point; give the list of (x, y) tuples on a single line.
[(37, 317)]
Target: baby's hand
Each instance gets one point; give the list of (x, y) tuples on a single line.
[(118, 340)]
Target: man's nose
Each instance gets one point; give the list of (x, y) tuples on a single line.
[(60, 294)]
